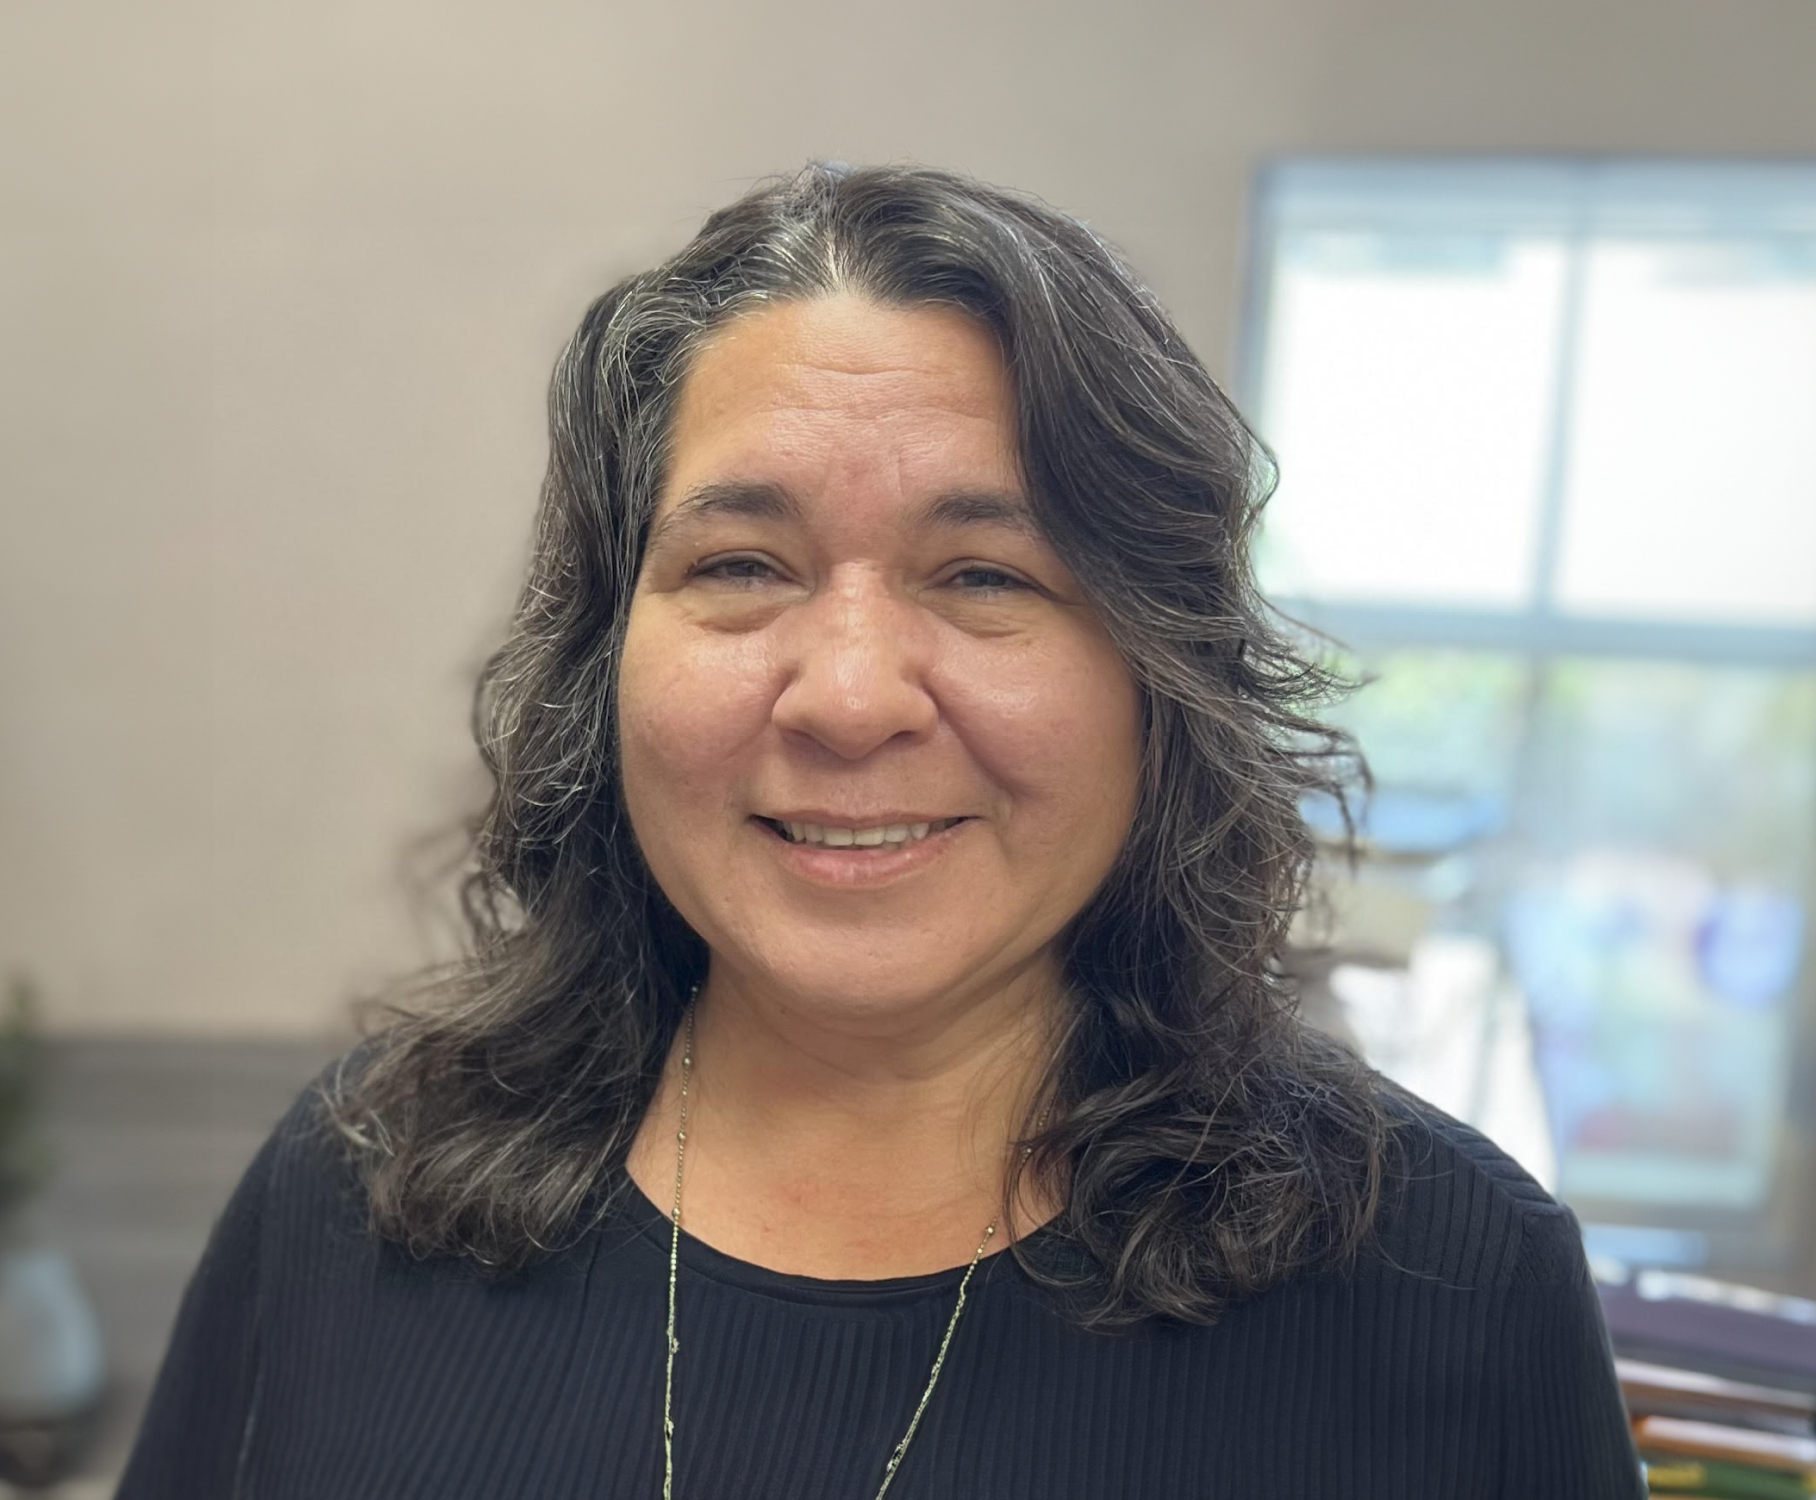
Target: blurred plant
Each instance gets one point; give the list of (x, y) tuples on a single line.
[(24, 1158)]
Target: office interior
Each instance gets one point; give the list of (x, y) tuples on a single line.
[(1522, 297)]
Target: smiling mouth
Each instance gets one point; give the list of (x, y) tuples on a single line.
[(882, 836)]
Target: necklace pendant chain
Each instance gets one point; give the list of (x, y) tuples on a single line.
[(674, 1260)]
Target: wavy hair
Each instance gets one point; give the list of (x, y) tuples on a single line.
[(1204, 1143)]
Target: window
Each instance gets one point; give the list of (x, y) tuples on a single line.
[(1547, 446)]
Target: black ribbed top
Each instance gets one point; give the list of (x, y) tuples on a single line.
[(1464, 1357)]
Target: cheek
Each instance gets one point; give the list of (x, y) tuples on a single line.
[(687, 705), (1060, 731)]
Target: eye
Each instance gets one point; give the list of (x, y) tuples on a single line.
[(987, 580), (735, 570)]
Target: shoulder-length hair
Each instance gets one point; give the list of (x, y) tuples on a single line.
[(1204, 1144)]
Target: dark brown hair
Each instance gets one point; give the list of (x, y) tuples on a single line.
[(1205, 1144)]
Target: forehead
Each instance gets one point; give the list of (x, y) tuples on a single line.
[(843, 389)]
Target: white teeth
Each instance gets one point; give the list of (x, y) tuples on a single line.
[(840, 838)]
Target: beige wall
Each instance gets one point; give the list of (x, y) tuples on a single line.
[(280, 286)]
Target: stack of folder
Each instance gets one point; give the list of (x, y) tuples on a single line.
[(1718, 1439), (1720, 1381)]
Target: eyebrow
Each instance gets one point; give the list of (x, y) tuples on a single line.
[(745, 499), (760, 501)]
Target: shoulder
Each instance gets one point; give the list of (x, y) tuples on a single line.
[(296, 1198), (303, 1186), (1496, 1267), (1458, 1209)]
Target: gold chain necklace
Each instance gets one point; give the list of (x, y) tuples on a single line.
[(674, 1258)]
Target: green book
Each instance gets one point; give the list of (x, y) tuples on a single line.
[(1714, 1479)]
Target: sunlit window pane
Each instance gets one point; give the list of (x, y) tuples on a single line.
[(1691, 490), (1408, 396)]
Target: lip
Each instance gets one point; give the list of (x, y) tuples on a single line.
[(853, 867), (855, 820)]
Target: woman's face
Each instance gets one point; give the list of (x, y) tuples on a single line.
[(846, 619)]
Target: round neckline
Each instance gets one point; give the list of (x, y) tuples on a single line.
[(655, 1227)]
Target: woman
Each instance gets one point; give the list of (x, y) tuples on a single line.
[(871, 1074)]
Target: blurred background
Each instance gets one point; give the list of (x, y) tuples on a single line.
[(1523, 295)]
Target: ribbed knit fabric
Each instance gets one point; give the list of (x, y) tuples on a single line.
[(1464, 1359)]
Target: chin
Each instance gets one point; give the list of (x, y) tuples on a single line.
[(873, 988)]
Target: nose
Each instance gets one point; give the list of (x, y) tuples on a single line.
[(856, 670)]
